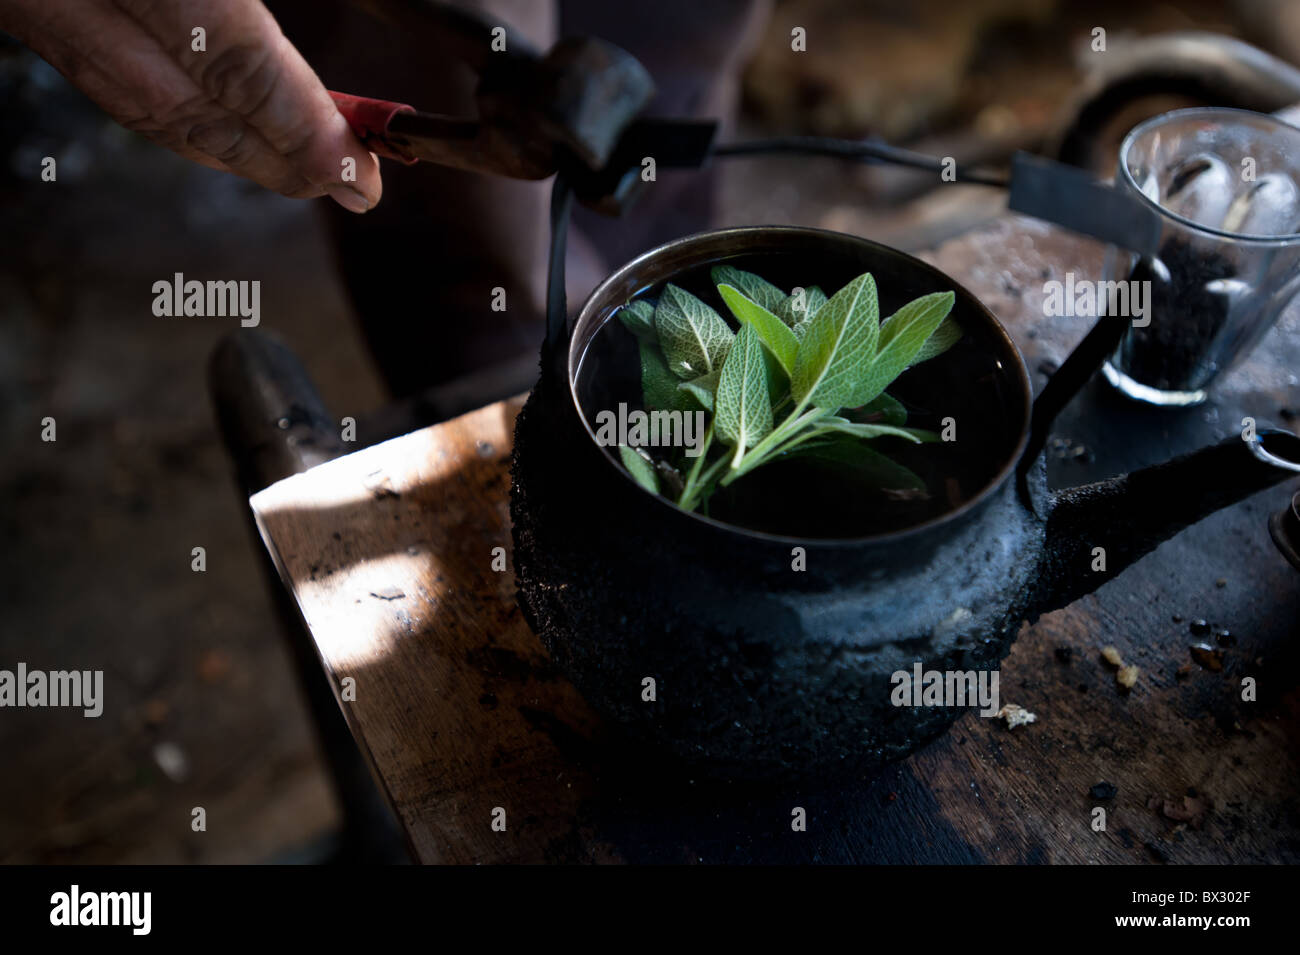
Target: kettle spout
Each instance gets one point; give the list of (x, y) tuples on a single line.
[(1128, 516)]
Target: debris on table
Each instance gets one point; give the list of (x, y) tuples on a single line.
[(1127, 676), (1016, 716), (1191, 810), (1104, 790), (380, 485), (1207, 656)]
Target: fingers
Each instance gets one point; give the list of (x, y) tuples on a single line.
[(246, 103), (252, 71)]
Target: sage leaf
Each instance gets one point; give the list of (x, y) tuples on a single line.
[(639, 318), (925, 312), (868, 431), (703, 388), (755, 288), (901, 338), (838, 347), (869, 466), (742, 412), (814, 299), (793, 312), (658, 384), (640, 467), (773, 332), (694, 337), (944, 337), (882, 409), (778, 380), (820, 366)]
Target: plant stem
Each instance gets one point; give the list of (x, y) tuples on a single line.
[(772, 444), (691, 495), (801, 438), (695, 468)]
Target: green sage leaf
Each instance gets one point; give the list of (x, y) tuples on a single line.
[(838, 346), (658, 384), (869, 466), (869, 431), (945, 336), (814, 299), (793, 311), (702, 388), (694, 337), (743, 405), (778, 380), (756, 288), (773, 332), (901, 338), (882, 409), (640, 467), (639, 318)]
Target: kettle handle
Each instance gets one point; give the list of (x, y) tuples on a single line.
[(1098, 345), (555, 344)]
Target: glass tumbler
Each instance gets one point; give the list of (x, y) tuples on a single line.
[(1223, 183)]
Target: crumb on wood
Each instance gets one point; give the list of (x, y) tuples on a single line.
[(1016, 716), (1112, 657), (1127, 676), (1190, 810)]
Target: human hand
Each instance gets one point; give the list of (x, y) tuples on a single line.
[(247, 104)]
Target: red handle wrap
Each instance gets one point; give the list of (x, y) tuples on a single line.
[(369, 119)]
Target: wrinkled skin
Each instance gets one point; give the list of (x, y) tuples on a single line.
[(249, 104)]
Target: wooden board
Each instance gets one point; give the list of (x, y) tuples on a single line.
[(389, 553)]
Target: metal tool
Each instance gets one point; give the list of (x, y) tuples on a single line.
[(605, 175), (573, 110)]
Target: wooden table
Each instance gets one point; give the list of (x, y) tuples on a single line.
[(389, 553)]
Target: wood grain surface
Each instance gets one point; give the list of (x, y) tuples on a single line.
[(389, 553)]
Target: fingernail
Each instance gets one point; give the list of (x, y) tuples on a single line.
[(348, 197)]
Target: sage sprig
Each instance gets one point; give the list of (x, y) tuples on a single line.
[(804, 376)]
